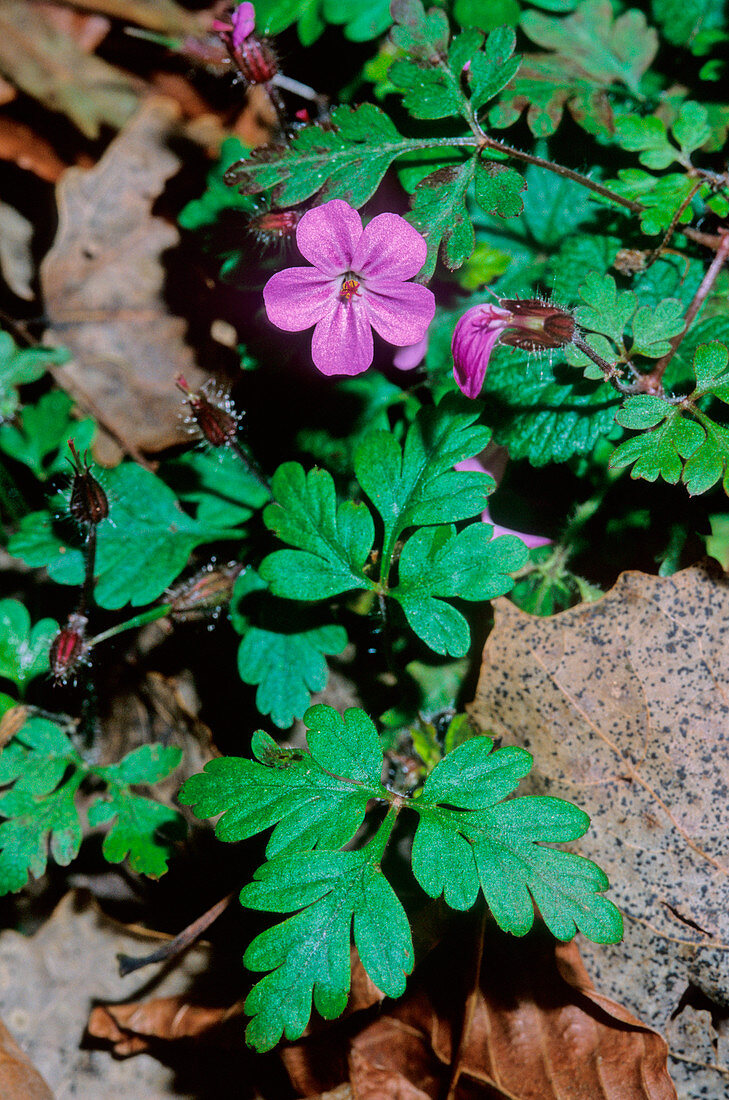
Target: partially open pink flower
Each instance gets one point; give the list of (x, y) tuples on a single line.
[(493, 461), (530, 324), (358, 282), (242, 22)]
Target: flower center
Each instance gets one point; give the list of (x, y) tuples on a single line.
[(349, 288)]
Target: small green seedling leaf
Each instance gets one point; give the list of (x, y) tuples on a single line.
[(23, 648)]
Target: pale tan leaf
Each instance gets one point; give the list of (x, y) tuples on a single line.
[(52, 67), (103, 283), (625, 705), (19, 1079)]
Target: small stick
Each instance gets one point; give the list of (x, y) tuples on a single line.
[(129, 963)]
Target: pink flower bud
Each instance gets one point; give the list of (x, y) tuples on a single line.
[(89, 503), (274, 225), (253, 56), (530, 324), (68, 649)]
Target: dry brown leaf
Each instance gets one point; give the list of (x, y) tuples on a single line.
[(537, 1030), (103, 284), (156, 15), (130, 1027), (31, 152), (51, 66), (19, 1079), (48, 982), (624, 704)]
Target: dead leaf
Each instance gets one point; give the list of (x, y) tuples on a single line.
[(624, 704), (103, 284), (31, 152), (130, 1027), (16, 257), (156, 15), (537, 1030), (47, 982), (51, 66), (19, 1079)]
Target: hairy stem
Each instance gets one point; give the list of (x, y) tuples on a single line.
[(132, 624), (654, 379)]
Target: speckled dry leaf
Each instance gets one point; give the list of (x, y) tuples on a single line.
[(624, 704), (53, 68), (103, 283), (47, 984), (19, 1079)]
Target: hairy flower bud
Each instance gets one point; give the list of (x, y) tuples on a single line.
[(274, 225), (205, 593), (215, 418), (68, 648), (89, 503), (253, 56), (530, 324)]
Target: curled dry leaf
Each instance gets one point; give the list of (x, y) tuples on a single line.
[(625, 705), (19, 1079), (535, 1029), (130, 1027), (103, 282)]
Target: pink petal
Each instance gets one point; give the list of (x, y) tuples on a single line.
[(390, 248), (411, 356), (298, 297), (473, 341), (244, 20), (531, 541), (342, 342), (327, 236), (399, 312)]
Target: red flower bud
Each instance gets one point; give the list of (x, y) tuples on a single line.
[(89, 503), (206, 593), (536, 324), (68, 648), (274, 225), (216, 419)]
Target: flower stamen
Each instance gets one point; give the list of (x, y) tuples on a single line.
[(350, 289)]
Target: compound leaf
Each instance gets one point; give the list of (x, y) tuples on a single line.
[(333, 542)]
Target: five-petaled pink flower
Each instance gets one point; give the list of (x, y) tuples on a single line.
[(530, 324), (359, 279)]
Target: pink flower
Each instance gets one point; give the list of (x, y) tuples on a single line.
[(530, 324), (493, 461), (410, 357), (242, 22), (358, 280)]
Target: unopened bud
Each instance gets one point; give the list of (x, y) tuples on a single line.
[(215, 418), (89, 503), (205, 593), (274, 225), (253, 56), (68, 648), (536, 324)]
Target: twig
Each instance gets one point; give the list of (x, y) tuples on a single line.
[(128, 963), (653, 380)]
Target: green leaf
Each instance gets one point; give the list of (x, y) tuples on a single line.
[(295, 792), (20, 366), (498, 845), (217, 198), (436, 563), (45, 429), (143, 830), (710, 371), (662, 196), (345, 161), (541, 412), (659, 452), (654, 328), (333, 543), (362, 22), (142, 547), (308, 954), (225, 492), (681, 23), (607, 49), (23, 649), (439, 211), (287, 668), (417, 484), (607, 311), (498, 189), (647, 136), (498, 13)]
